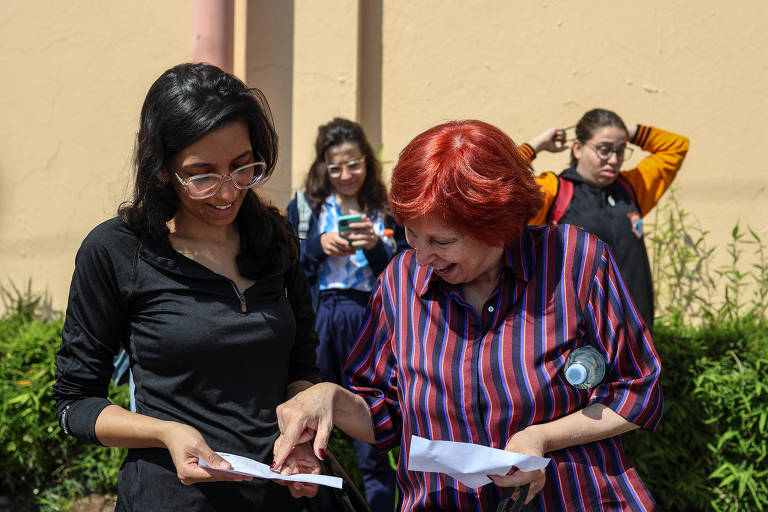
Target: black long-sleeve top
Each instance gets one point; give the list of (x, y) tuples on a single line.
[(201, 354)]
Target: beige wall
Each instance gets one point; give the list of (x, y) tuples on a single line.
[(75, 74), (697, 68)]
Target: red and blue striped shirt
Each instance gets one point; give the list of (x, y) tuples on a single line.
[(428, 364)]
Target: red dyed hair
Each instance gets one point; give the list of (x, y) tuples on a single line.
[(471, 174)]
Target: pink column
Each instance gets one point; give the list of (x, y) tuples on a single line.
[(214, 33)]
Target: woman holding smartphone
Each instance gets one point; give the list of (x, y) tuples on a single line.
[(347, 238)]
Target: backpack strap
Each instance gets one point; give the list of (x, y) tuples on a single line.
[(621, 180), (562, 200), (305, 213)]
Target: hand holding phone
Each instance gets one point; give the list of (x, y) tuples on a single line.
[(334, 244), (345, 220), (358, 230)]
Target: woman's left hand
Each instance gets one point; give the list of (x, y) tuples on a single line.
[(361, 235), (301, 460), (528, 443), (552, 140)]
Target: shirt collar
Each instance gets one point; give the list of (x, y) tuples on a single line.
[(518, 259)]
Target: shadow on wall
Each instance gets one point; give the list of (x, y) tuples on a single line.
[(270, 67), (370, 69)]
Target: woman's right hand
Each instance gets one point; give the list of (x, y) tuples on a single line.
[(307, 415), (334, 244), (527, 442), (552, 140), (187, 446)]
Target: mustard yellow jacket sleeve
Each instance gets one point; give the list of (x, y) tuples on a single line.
[(547, 181), (654, 174), (650, 179)]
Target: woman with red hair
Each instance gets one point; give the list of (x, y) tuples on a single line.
[(468, 334)]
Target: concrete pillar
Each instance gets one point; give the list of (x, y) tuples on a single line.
[(214, 23)]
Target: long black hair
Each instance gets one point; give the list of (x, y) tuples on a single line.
[(184, 104), (592, 121), (373, 193)]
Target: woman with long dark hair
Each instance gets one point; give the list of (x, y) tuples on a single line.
[(198, 279), (345, 178)]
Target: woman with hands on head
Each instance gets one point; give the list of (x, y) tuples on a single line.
[(468, 333), (605, 200), (198, 279), (345, 178)]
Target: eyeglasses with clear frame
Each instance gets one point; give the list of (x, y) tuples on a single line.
[(604, 151), (203, 186), (354, 166)]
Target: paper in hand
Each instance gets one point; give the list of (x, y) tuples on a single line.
[(249, 467), (468, 463)]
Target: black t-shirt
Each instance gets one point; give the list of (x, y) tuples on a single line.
[(196, 356)]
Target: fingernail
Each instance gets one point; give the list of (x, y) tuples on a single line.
[(273, 467), (224, 464), (322, 453)]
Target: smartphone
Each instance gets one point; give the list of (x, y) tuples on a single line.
[(345, 220)]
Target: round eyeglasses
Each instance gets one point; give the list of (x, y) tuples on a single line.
[(354, 166), (604, 151), (203, 186)]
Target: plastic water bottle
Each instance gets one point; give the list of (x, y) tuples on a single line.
[(584, 367)]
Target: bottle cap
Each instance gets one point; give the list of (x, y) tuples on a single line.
[(576, 374), (388, 232)]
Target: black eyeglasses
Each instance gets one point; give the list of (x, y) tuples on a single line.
[(604, 151)]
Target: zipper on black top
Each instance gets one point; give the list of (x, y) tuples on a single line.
[(241, 297)]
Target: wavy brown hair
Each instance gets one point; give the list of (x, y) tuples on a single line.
[(373, 193)]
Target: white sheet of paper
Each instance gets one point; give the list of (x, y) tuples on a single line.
[(249, 467), (468, 463)]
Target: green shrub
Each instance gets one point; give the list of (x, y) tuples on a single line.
[(712, 336), (688, 287), (40, 467), (709, 454), (710, 450)]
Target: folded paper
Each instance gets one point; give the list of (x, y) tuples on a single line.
[(249, 467), (468, 463)]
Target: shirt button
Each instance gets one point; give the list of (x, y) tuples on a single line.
[(490, 309)]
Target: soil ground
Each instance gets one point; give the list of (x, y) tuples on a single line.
[(95, 503)]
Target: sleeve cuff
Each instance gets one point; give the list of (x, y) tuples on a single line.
[(78, 418), (641, 135), (645, 412), (527, 152), (314, 248), (386, 430)]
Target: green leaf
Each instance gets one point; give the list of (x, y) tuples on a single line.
[(19, 399), (725, 438)]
